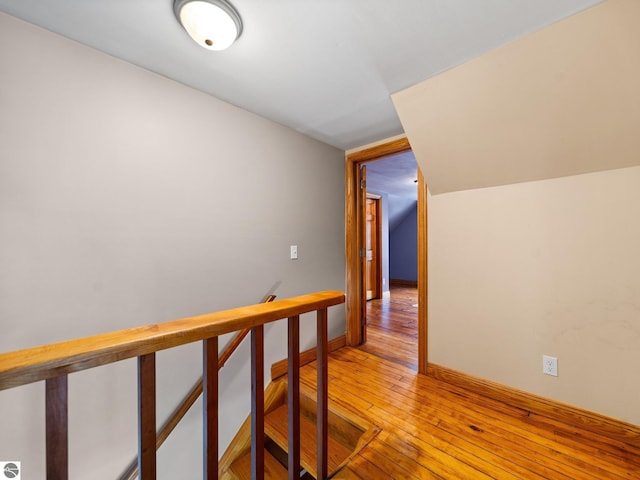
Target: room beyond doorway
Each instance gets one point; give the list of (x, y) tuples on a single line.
[(393, 180), (392, 326), (356, 303)]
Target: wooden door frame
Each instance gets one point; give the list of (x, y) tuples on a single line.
[(354, 294)]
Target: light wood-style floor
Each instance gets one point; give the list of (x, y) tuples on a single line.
[(432, 429), (392, 326)]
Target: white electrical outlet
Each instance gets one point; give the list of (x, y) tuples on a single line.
[(549, 365)]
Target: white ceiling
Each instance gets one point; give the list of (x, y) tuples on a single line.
[(326, 68), (395, 176)]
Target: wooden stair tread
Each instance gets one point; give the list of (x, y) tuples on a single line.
[(275, 426), (273, 470)]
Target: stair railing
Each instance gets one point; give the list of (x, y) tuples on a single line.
[(187, 402), (53, 363)]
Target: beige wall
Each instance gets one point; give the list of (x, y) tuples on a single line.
[(561, 101), (548, 267), (128, 199)]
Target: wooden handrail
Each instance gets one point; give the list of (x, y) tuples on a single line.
[(48, 361), (187, 402), (53, 363)]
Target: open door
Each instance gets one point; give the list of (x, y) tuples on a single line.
[(362, 247), (373, 262)]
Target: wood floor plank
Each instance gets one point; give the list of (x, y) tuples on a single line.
[(504, 433), (523, 435), (388, 405), (428, 457), (395, 465), (459, 448), (347, 473), (466, 423), (521, 424), (362, 469), (433, 429), (392, 327), (566, 462)]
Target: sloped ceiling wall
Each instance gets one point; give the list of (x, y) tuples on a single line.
[(562, 101)]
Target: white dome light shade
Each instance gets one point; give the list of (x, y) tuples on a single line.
[(213, 24)]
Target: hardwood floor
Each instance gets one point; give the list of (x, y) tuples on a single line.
[(392, 326), (431, 429)]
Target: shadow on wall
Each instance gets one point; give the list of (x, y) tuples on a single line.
[(403, 247)]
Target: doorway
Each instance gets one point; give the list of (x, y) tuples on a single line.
[(355, 215)]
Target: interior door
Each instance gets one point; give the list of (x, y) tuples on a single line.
[(362, 247), (372, 248)]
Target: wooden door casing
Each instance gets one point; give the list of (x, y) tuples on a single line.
[(355, 301)]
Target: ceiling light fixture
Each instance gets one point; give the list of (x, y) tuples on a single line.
[(213, 24)]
